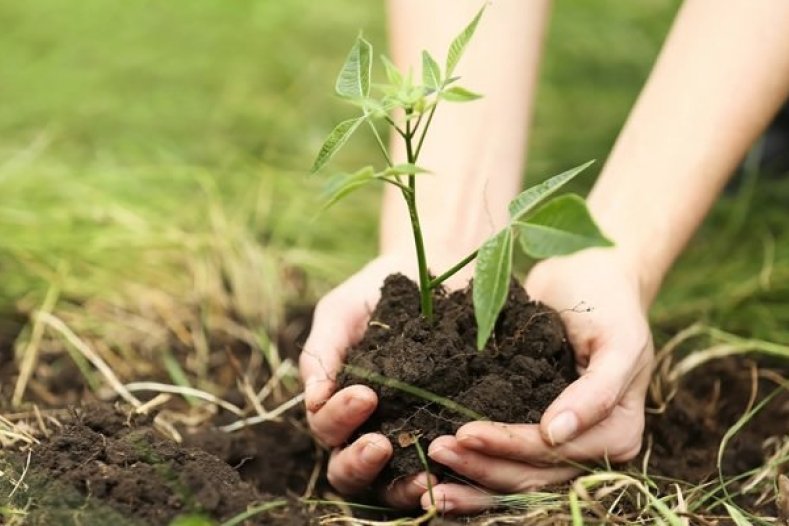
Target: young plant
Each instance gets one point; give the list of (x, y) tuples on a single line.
[(560, 226)]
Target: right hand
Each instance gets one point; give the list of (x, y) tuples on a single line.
[(340, 321)]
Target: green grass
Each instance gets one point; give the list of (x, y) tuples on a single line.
[(122, 123)]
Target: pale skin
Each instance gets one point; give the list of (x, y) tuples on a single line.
[(722, 74)]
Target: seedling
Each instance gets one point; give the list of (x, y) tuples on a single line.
[(560, 226)]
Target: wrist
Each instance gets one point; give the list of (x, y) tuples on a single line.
[(642, 242)]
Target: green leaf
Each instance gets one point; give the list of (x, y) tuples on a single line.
[(562, 226), (392, 73), (405, 169), (336, 139), (458, 45), (354, 79), (736, 515), (340, 186), (531, 197), (491, 283), (458, 94), (431, 72)]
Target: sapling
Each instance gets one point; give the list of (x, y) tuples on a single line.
[(545, 226)]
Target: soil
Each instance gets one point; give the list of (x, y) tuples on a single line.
[(711, 399), (525, 365), (129, 472)]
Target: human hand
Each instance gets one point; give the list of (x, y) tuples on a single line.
[(600, 415), (339, 321)]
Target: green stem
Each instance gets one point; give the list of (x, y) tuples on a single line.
[(380, 143), (424, 130), (413, 390), (394, 125), (406, 191), (426, 298), (435, 282)]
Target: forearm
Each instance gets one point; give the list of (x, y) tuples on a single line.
[(475, 151), (722, 75)]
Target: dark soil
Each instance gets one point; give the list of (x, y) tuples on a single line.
[(524, 367), (122, 465), (710, 400)]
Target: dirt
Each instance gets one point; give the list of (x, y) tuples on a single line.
[(277, 458), (711, 399), (525, 365), (119, 460)]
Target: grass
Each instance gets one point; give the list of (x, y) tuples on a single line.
[(153, 161)]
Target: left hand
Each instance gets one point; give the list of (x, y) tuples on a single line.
[(599, 416)]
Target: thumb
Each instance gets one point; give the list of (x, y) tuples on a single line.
[(337, 323), (592, 397)]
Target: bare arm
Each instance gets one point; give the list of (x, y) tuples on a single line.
[(722, 75), (475, 150)]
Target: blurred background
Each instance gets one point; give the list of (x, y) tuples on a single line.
[(154, 159)]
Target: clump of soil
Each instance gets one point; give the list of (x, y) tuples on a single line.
[(123, 468), (523, 368)]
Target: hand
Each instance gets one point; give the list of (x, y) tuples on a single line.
[(340, 321), (600, 415)]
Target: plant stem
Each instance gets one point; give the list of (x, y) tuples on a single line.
[(435, 282), (380, 143), (406, 191), (426, 298), (424, 131), (394, 125)]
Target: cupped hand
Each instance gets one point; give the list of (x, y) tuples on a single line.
[(340, 320), (599, 416)]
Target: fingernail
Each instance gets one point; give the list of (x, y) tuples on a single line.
[(373, 454), (562, 428), (310, 394), (444, 456), (470, 441)]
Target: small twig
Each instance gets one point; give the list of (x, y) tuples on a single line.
[(93, 357), (156, 401), (271, 415), (30, 354), (280, 372), (184, 391), (21, 478)]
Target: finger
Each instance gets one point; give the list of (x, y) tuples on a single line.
[(498, 474), (592, 398), (618, 438), (338, 320), (458, 498), (407, 492), (342, 414), (354, 468)]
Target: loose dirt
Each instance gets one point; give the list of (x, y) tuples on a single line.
[(524, 367)]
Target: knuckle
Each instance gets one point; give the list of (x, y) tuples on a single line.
[(605, 400)]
